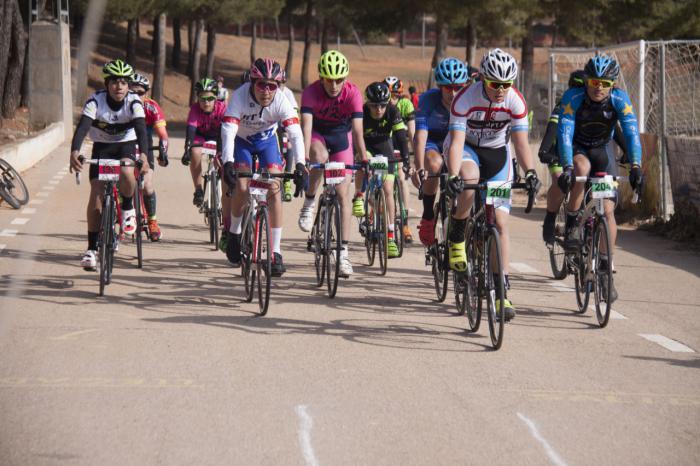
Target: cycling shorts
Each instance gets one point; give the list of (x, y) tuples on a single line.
[(111, 151), (434, 146), (339, 146), (601, 158), (494, 165), (385, 148), (267, 150)]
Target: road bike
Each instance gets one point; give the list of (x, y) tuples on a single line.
[(436, 254), (12, 187), (373, 226), (211, 207)]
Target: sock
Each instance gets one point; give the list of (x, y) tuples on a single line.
[(149, 201), (310, 201), (276, 234), (428, 203), (344, 245), (550, 216), (92, 240), (571, 220), (457, 228), (359, 194), (235, 227), (127, 203)]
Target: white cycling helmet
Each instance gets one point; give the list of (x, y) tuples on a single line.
[(391, 80), (498, 65)]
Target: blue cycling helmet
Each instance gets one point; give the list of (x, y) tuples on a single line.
[(602, 66), (451, 71)]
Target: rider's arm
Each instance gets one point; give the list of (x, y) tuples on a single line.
[(456, 150), (296, 139), (229, 129), (190, 132), (550, 135), (398, 129), (307, 122), (620, 138), (519, 134), (628, 121), (419, 148), (80, 132), (567, 124), (358, 138), (141, 134)]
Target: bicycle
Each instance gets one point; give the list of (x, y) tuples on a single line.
[(325, 238), (256, 249), (373, 226), (557, 254), (436, 255), (484, 279), (107, 243), (211, 207), (12, 187)]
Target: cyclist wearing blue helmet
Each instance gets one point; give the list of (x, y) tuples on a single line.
[(432, 126), (586, 124)]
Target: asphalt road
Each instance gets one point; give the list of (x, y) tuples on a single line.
[(173, 367)]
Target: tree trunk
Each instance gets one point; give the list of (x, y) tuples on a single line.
[(253, 40), (277, 29), (441, 30), (177, 44), (307, 44), (154, 40), (471, 42), (159, 58), (402, 39), (324, 35), (15, 65), (131, 38), (527, 57), (190, 45), (196, 42), (262, 29), (290, 46), (318, 31), (239, 29), (6, 10), (211, 46)]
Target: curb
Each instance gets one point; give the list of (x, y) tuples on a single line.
[(25, 154)]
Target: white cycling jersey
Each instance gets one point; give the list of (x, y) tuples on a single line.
[(111, 125), (246, 119), (290, 97), (486, 123)]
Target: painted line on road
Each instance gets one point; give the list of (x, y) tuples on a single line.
[(72, 335), (305, 425), (28, 211), (19, 221), (54, 181), (671, 345), (523, 268), (59, 176), (551, 453), (36, 202), (42, 194), (49, 188), (8, 233), (613, 314), (2, 246)]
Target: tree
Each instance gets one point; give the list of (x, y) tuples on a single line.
[(211, 47), (13, 42), (159, 60), (307, 43)]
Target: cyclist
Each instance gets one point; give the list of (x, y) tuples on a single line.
[(288, 156), (115, 120), (408, 114), (414, 95), (587, 121), (223, 93), (382, 124), (481, 117), (331, 115), (155, 121), (250, 127), (432, 126), (548, 155)]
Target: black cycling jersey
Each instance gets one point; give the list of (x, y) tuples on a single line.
[(377, 132)]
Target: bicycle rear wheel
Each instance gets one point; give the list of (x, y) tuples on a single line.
[(334, 245), (440, 262), (473, 277), (214, 207), (318, 244), (495, 292), (370, 241), (399, 217), (263, 262), (138, 205), (12, 187), (105, 242), (381, 230), (557, 254), (581, 284), (603, 278), (247, 255)]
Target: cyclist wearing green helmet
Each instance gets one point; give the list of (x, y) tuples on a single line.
[(116, 122), (331, 115)]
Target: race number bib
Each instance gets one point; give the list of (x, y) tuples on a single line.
[(259, 187), (334, 172), (108, 170), (209, 148), (380, 164), (602, 188), (498, 193)]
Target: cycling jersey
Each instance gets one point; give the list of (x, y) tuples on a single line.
[(406, 108), (206, 126), (376, 131), (154, 115), (587, 124), (332, 114), (433, 117), (251, 126), (111, 121), (487, 124), (287, 92)]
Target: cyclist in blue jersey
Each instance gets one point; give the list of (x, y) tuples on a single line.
[(432, 126), (586, 125)]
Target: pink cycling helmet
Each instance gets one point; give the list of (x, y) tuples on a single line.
[(266, 68)]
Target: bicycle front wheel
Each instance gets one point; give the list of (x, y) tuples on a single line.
[(381, 230), (317, 243), (473, 278), (263, 262), (370, 242), (214, 208), (12, 187), (399, 217), (138, 205), (440, 260), (333, 246), (495, 290), (581, 283), (247, 255), (603, 277), (557, 254), (105, 242)]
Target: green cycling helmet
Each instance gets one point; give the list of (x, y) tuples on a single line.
[(206, 85), (117, 69), (333, 65)]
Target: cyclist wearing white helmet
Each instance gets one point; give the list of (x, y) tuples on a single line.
[(481, 118)]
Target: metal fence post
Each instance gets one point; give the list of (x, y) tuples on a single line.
[(551, 81), (641, 111), (662, 68)]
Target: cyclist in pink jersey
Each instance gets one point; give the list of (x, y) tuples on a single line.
[(331, 116), (203, 124)]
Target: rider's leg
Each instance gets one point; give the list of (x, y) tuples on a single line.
[(196, 168), (318, 154), (582, 167), (94, 212), (469, 171), (388, 187), (554, 199)]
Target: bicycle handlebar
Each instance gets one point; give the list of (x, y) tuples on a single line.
[(122, 163), (265, 175)]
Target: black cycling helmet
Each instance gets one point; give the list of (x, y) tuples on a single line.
[(378, 93), (577, 78)]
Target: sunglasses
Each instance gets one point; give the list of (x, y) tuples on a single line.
[(210, 98), (497, 84), (376, 105), (453, 87), (266, 86), (140, 93), (604, 83)]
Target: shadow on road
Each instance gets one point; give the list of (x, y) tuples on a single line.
[(692, 363)]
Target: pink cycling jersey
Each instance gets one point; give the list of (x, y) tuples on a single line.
[(208, 125), (332, 114)]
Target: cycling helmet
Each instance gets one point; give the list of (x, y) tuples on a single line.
[(498, 65), (206, 85), (117, 69), (395, 84), (473, 72), (266, 68), (602, 66), (284, 76), (141, 80), (451, 71), (378, 93), (576, 78), (245, 77), (333, 65)]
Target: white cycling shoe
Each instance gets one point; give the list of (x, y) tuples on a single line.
[(129, 222), (89, 260), (345, 265), (306, 218)]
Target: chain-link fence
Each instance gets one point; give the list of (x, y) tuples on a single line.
[(662, 80)]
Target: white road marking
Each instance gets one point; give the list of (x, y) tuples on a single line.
[(7, 232), (59, 175), (305, 425), (2, 246), (49, 188), (613, 314), (36, 202), (522, 268), (671, 345), (553, 455), (19, 221), (54, 181), (561, 287), (28, 211), (73, 335), (42, 194)]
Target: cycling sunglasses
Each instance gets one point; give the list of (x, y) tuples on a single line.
[(140, 93), (453, 87), (376, 105), (266, 86), (604, 83), (337, 81), (495, 85), (210, 98)]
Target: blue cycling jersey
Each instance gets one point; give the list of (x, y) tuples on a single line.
[(432, 116), (591, 124)]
